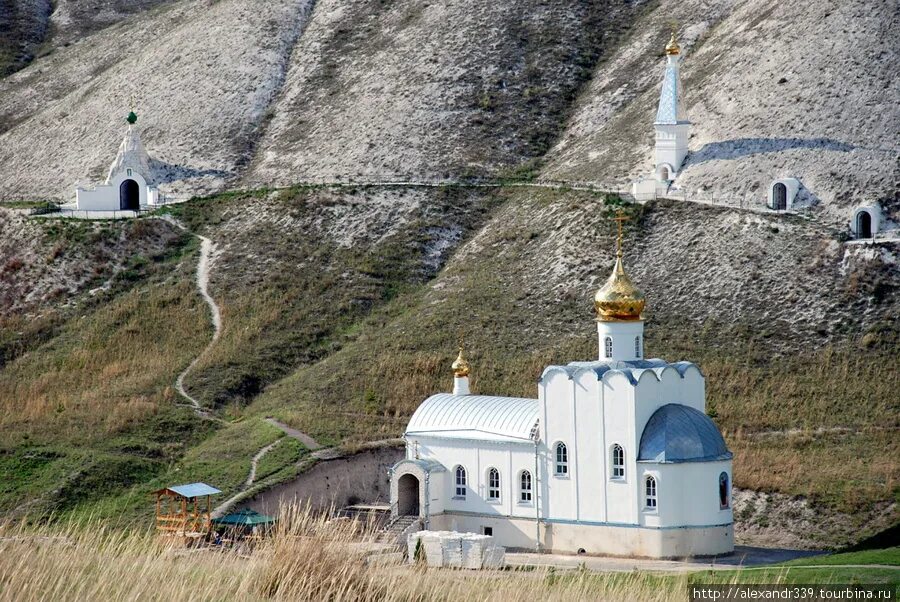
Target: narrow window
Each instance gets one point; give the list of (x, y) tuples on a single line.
[(562, 460), (494, 485), (723, 491), (460, 482), (525, 487), (637, 347), (618, 462), (129, 171), (608, 347), (650, 491)]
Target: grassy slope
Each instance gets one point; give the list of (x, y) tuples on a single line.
[(291, 294), (90, 411), (401, 354)]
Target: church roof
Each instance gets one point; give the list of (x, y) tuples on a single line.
[(671, 99), (678, 433), (632, 369), (481, 417), (131, 154)]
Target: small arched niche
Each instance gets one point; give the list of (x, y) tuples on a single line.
[(866, 221), (783, 193)]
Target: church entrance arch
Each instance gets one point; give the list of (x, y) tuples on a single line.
[(408, 495), (863, 225), (779, 197), (129, 196)]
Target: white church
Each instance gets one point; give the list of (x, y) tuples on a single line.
[(672, 129), (129, 185), (615, 456)]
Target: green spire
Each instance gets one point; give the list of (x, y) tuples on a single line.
[(132, 118)]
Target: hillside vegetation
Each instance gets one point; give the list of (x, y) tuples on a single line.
[(87, 404), (342, 304)]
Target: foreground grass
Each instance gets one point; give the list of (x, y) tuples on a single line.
[(308, 558)]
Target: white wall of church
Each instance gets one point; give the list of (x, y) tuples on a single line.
[(596, 539), (618, 410), (651, 394), (105, 197), (687, 494), (586, 453), (478, 458)]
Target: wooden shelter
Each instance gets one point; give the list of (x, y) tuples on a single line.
[(184, 510)]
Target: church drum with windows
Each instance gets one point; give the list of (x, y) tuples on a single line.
[(615, 456)]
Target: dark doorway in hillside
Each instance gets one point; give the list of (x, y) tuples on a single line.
[(129, 196), (779, 197), (863, 225), (408, 496)]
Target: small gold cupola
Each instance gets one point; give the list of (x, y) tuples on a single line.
[(619, 300), (460, 374), (460, 365), (672, 48)]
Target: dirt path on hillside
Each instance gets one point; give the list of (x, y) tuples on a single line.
[(302, 437), (225, 506), (202, 281)]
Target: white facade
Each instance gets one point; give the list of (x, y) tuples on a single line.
[(614, 456), (129, 183), (783, 194), (866, 222)]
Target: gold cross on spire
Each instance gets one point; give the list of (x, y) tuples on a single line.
[(620, 219)]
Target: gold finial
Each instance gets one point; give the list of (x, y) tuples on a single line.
[(672, 48), (619, 300), (460, 366), (620, 218)]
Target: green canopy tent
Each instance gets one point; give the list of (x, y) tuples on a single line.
[(245, 517), (244, 521)]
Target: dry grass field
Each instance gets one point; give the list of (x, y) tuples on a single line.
[(308, 558)]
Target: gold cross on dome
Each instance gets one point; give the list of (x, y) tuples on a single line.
[(620, 218)]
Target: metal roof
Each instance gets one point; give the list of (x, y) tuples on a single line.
[(671, 98), (632, 369), (192, 490), (481, 417), (678, 433)]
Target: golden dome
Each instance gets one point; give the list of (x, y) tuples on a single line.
[(460, 366), (619, 300), (672, 47)]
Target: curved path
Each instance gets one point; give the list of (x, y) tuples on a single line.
[(202, 280), (222, 508)]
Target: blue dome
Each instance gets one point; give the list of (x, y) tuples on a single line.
[(678, 433)]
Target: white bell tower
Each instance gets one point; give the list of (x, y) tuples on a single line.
[(672, 125)]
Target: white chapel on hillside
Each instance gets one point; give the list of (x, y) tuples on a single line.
[(672, 129), (129, 184), (615, 456)]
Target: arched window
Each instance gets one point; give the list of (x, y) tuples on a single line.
[(460, 482), (637, 347), (562, 460), (650, 493), (607, 347), (618, 462), (723, 491), (493, 491), (525, 487)]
